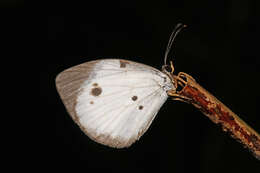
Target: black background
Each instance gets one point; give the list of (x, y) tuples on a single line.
[(219, 48)]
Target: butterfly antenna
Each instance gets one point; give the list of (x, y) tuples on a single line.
[(174, 33)]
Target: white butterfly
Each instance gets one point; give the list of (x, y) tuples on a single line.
[(114, 101)]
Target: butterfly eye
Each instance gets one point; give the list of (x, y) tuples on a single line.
[(166, 68)]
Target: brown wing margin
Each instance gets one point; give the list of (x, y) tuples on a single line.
[(68, 84)]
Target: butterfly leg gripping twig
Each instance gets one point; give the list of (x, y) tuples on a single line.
[(179, 82), (216, 111)]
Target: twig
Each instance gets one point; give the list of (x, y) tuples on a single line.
[(217, 112)]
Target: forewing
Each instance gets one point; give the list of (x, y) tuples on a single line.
[(113, 101)]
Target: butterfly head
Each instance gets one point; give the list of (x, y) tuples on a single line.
[(169, 70)]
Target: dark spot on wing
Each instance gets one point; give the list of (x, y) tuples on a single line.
[(96, 91), (95, 84), (141, 107), (123, 63), (134, 98), (91, 102)]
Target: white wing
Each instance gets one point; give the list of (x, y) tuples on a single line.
[(113, 101)]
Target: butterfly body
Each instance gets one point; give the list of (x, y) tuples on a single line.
[(113, 101)]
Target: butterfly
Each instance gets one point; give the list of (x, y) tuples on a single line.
[(114, 101)]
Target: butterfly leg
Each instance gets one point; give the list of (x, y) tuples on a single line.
[(176, 96), (185, 75)]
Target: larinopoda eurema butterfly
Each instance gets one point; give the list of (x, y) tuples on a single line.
[(114, 101)]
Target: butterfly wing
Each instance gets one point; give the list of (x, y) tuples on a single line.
[(113, 101)]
